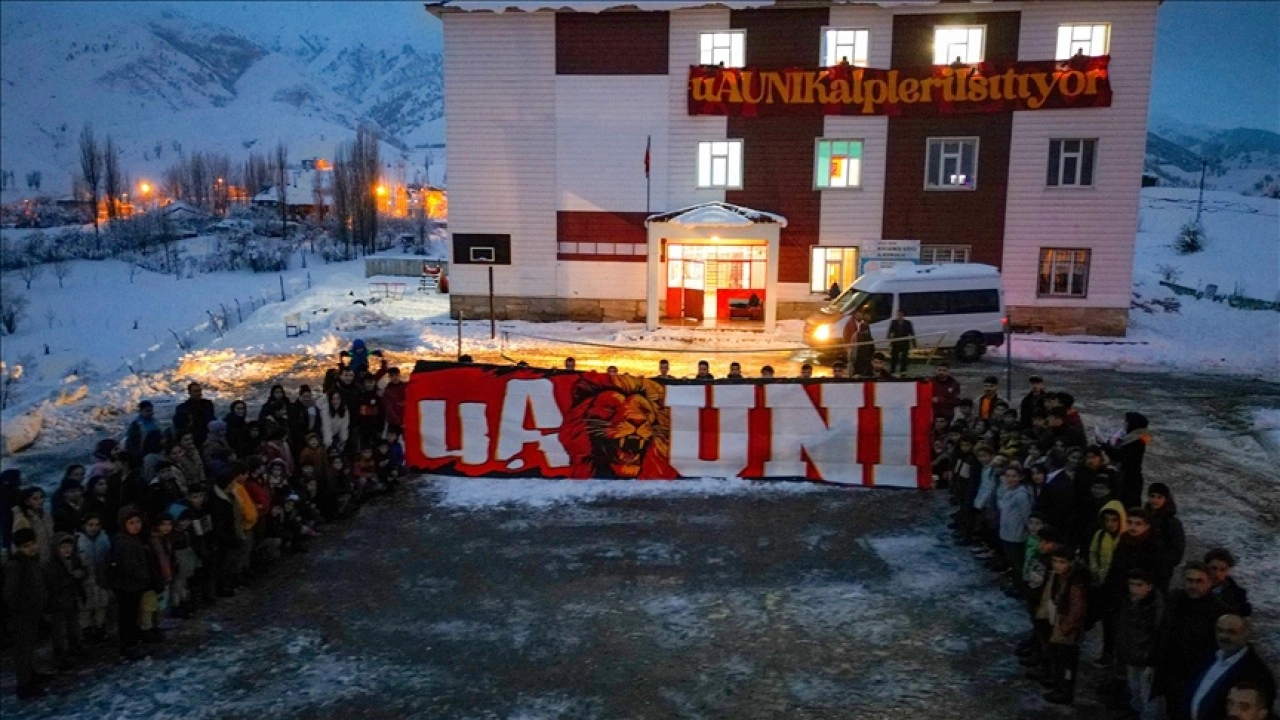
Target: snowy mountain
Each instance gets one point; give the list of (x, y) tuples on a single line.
[(172, 78), (1241, 160)]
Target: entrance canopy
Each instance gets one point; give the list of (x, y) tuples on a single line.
[(705, 264)]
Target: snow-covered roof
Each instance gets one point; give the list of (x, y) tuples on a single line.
[(300, 190), (179, 209), (716, 214), (595, 6)]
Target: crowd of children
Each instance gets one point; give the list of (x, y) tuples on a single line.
[(178, 515), (1061, 519)]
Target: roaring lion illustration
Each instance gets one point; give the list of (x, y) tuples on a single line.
[(618, 427)]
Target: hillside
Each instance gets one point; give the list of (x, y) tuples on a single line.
[(1243, 160), (162, 82)]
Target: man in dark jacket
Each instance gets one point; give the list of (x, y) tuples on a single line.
[(130, 575), (1137, 549), (1056, 503), (304, 419), (194, 415), (393, 398), (902, 336), (1032, 402), (864, 347), (144, 428), (1128, 452), (1170, 535), (1186, 639), (1235, 661), (26, 597)]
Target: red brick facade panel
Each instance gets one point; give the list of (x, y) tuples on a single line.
[(611, 43)]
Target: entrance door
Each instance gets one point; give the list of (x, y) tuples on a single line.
[(694, 289)]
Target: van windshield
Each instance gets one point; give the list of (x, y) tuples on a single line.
[(847, 300)]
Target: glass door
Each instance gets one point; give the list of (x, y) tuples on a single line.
[(694, 289)]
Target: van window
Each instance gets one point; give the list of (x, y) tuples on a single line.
[(881, 305), (920, 304), (975, 301), (953, 302)]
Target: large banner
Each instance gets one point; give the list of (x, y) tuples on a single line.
[(501, 421), (1080, 82)]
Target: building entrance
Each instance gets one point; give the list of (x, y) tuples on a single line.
[(716, 283)]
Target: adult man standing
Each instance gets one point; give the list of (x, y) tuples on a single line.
[(194, 415), (1245, 701), (864, 345), (902, 337), (393, 398), (1187, 639), (1235, 661), (140, 431), (946, 392)]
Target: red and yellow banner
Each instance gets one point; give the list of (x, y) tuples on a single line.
[(500, 421), (939, 90)]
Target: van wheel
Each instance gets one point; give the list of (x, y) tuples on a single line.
[(970, 348)]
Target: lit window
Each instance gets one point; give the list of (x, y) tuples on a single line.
[(838, 265), (844, 45), (952, 164), (727, 48), (720, 164), (957, 43), (1088, 40), (1064, 272), (943, 254), (838, 164), (1071, 163)]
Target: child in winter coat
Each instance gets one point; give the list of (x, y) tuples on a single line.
[(130, 576), (1013, 503), (1064, 604), (364, 472), (203, 545), (184, 554), (94, 550), (64, 577), (314, 456), (163, 567), (1101, 550), (29, 513), (25, 599), (341, 499), (1168, 531), (1137, 622), (1220, 562), (390, 458)]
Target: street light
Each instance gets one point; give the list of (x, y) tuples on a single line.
[(144, 187)]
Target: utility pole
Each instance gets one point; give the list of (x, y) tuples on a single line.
[(1204, 165)]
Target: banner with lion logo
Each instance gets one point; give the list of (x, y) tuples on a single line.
[(502, 421)]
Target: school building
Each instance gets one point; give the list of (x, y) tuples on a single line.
[(727, 162)]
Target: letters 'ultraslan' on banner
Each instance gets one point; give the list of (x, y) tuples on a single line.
[(1080, 82), (500, 421)]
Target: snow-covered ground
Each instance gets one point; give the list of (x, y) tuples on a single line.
[(1242, 254)]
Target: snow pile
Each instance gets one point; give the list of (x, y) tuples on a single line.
[(481, 493), (20, 431), (1266, 427)]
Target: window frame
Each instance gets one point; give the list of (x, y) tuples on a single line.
[(1049, 255), (952, 249), (814, 250), (1056, 174), (711, 170), (817, 145), (982, 51), (940, 141), (1070, 28), (731, 33), (823, 47)]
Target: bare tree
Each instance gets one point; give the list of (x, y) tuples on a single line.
[(112, 181), (50, 315), (61, 270), (12, 307), (91, 169), (29, 271), (282, 187)]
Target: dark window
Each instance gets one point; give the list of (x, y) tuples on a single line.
[(1071, 163), (881, 305), (975, 301), (920, 304)]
